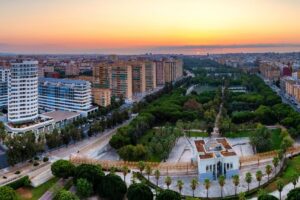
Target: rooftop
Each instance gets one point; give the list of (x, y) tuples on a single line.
[(65, 81), (59, 115), (213, 147)]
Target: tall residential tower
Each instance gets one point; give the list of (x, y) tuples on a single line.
[(23, 92)]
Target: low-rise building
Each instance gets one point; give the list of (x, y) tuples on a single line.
[(45, 123), (215, 157)]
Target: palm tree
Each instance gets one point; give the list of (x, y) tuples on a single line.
[(248, 179), (275, 162), (168, 181), (134, 176), (222, 183), (148, 171), (207, 186), (194, 184), (179, 185), (268, 171), (261, 192), (125, 171), (112, 170), (157, 175), (279, 185), (294, 179), (2, 134), (141, 166), (242, 196), (259, 176), (236, 182), (280, 155)]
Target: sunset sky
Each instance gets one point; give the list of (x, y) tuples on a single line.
[(86, 26)]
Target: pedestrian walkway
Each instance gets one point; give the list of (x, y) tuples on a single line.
[(49, 195), (284, 192)]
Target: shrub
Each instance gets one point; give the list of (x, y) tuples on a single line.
[(168, 195), (45, 159), (7, 193), (65, 195), (267, 197), (20, 183), (36, 163), (294, 194), (17, 172)]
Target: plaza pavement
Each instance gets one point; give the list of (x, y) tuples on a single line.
[(215, 189)]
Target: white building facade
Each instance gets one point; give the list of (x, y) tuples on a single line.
[(215, 157), (4, 77), (65, 94), (23, 92)]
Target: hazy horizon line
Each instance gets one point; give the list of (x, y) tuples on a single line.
[(141, 49)]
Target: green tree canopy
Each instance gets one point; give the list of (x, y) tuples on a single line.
[(7, 193), (267, 197), (112, 187), (62, 169), (139, 191), (84, 188), (294, 194), (65, 195), (92, 173)]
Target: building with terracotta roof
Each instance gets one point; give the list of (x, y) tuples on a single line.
[(215, 157)]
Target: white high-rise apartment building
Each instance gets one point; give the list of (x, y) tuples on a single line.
[(4, 76), (23, 92)]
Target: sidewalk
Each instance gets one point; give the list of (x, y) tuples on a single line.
[(284, 192)]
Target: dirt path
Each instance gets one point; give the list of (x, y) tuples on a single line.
[(215, 132)]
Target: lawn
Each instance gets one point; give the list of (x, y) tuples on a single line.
[(30, 193), (276, 138), (293, 165), (203, 88), (237, 134), (196, 134)]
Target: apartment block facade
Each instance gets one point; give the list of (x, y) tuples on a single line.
[(160, 77), (121, 80), (65, 94), (270, 71), (102, 76), (101, 96), (138, 77), (150, 75)]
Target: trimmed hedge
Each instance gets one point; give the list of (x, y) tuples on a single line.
[(24, 181)]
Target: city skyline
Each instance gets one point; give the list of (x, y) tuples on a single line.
[(191, 27)]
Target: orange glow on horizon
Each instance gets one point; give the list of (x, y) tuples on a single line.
[(92, 24)]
